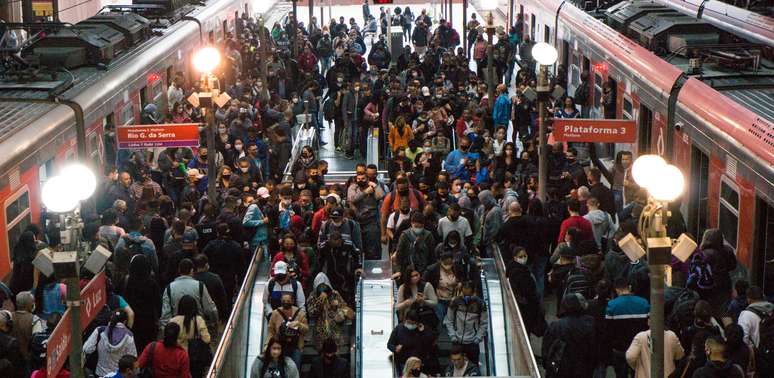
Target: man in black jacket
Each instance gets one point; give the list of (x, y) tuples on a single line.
[(565, 349), (328, 364), (601, 192), (411, 339), (213, 283), (226, 257)]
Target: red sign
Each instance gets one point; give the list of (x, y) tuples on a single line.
[(595, 130), (150, 136), (383, 1), (93, 297)]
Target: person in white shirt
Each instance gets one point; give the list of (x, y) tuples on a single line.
[(750, 318), (453, 221), (174, 93)]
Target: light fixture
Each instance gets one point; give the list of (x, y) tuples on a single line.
[(59, 195), (647, 170), (82, 179), (669, 185), (206, 59), (544, 53)]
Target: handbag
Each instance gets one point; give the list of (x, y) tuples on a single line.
[(147, 371), (199, 353)]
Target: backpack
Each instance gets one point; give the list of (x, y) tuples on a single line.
[(329, 109), (426, 313), (418, 248), (134, 247), (275, 298), (201, 295), (700, 273), (578, 281), (764, 355), (681, 314), (555, 362), (289, 336)]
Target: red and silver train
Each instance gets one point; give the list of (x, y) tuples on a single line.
[(724, 147), (36, 139)]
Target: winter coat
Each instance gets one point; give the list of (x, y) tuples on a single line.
[(187, 285), (467, 322), (626, 316), (523, 285), (277, 319), (110, 349), (471, 370), (338, 368), (638, 355), (143, 294), (254, 218), (415, 343), (330, 315), (578, 332), (121, 256), (719, 369)]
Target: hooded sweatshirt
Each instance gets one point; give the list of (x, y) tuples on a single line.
[(490, 216), (110, 349), (601, 224)]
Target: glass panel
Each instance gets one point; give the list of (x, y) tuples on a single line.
[(17, 207), (729, 195), (729, 222), (628, 108), (127, 114), (15, 232)]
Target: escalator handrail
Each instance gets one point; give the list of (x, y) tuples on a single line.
[(488, 343), (519, 332), (287, 174), (243, 299)]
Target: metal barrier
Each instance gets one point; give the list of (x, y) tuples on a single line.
[(304, 137), (489, 350), (231, 356)]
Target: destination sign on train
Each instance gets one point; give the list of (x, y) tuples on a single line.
[(595, 130), (150, 136)]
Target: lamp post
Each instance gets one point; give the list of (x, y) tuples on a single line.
[(62, 194), (205, 61), (545, 55), (664, 184), (490, 83)]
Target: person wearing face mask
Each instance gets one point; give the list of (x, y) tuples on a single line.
[(328, 364), (391, 202), (457, 158), (363, 197), (288, 324), (523, 285), (467, 320), (330, 312), (281, 285), (446, 277), (348, 228), (413, 368), (416, 247), (410, 339), (325, 51), (490, 217), (454, 222), (255, 222), (340, 262), (296, 259)]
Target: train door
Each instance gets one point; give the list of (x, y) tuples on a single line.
[(532, 26), (597, 101), (547, 35), (586, 65), (144, 98), (17, 215), (609, 110), (763, 257), (645, 126), (565, 53), (697, 219)]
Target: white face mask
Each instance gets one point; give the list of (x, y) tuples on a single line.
[(411, 327), (244, 170), (238, 147), (295, 100), (522, 260)]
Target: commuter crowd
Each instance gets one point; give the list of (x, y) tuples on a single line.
[(459, 184)]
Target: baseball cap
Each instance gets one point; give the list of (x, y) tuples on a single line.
[(281, 267), (263, 192), (334, 196)]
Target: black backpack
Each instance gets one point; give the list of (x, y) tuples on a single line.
[(681, 314), (578, 281), (764, 354), (329, 109), (289, 336), (555, 362), (276, 300)]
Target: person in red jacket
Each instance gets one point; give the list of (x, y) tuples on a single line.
[(307, 62), (167, 359), (577, 221)]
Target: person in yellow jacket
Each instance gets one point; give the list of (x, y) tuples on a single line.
[(400, 134)]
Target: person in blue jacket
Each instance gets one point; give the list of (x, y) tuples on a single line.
[(501, 113)]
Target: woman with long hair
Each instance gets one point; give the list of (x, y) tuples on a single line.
[(273, 363), (413, 368), (192, 326), (416, 293), (111, 343), (143, 294), (166, 359)]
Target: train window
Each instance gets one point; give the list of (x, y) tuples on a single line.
[(143, 97), (170, 75), (127, 114), (699, 196), (763, 258), (547, 34), (17, 216), (94, 149), (729, 212), (532, 27), (158, 95), (628, 108), (45, 171), (645, 130)]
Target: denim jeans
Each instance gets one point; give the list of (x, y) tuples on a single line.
[(325, 65), (538, 269), (618, 198), (440, 310)]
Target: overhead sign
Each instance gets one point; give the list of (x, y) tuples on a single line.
[(595, 130), (150, 136), (93, 298)]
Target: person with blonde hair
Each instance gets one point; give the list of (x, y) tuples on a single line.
[(413, 368)]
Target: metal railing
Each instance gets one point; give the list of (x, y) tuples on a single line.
[(304, 137), (230, 358), (356, 352), (488, 350)]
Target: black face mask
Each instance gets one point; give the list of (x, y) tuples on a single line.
[(287, 306), (403, 192), (362, 184), (464, 148), (416, 372), (280, 277)]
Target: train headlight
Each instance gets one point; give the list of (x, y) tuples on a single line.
[(206, 59)]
